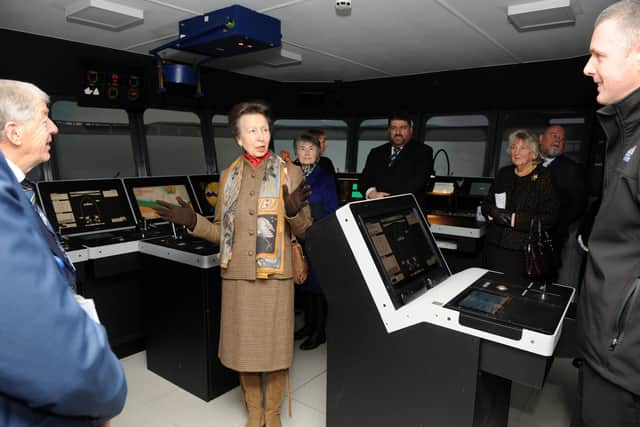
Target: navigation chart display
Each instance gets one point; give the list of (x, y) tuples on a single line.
[(147, 197), (145, 193)]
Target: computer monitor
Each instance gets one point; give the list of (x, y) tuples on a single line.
[(348, 190), (479, 188), (85, 206), (144, 193), (206, 188), (402, 246)]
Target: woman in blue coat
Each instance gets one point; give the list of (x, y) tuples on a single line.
[(323, 201)]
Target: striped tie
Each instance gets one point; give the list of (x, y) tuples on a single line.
[(59, 255), (27, 186), (395, 151)]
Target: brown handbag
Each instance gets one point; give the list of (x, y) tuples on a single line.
[(299, 264)]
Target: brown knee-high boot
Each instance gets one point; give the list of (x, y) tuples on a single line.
[(274, 391), (251, 384)]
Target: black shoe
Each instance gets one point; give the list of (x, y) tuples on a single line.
[(303, 332), (313, 341)]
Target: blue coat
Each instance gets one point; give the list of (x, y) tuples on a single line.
[(323, 201), (56, 366)]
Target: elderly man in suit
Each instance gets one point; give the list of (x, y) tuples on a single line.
[(402, 165), (56, 366)]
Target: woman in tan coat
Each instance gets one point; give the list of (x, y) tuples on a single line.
[(263, 202)]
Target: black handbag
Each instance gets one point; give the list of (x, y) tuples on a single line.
[(540, 257)]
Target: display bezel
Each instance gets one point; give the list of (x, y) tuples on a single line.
[(415, 286)]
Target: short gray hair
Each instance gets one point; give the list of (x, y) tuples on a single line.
[(527, 137), (626, 13), (18, 101)]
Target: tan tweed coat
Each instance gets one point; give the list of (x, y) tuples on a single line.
[(256, 325)]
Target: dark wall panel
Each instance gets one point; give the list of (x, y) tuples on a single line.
[(57, 66)]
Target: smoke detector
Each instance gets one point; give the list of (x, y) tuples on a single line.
[(343, 7), (104, 14), (541, 14)]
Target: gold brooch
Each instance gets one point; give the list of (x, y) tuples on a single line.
[(534, 177)]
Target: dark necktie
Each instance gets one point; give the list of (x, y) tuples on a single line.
[(28, 187), (395, 152), (60, 256)]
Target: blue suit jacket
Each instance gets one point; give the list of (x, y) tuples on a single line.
[(56, 366)]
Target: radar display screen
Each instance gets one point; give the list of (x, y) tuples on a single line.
[(206, 188), (75, 207), (145, 192)]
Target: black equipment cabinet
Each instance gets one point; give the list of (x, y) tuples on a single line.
[(418, 376), (182, 323), (115, 286)]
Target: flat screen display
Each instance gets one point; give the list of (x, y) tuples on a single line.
[(479, 188), (206, 188), (75, 207), (144, 194), (348, 190), (402, 246), (484, 302)]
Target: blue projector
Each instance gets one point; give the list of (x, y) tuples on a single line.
[(231, 31)]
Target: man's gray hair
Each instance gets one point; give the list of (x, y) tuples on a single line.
[(18, 101), (527, 137), (627, 15)]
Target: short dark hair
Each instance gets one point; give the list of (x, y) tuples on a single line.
[(249, 107), (306, 137), (400, 115)]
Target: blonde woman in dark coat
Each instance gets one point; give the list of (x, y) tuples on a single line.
[(520, 192), (263, 203)]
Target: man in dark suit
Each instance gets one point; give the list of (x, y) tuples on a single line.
[(402, 165), (56, 366), (569, 180), (568, 177)]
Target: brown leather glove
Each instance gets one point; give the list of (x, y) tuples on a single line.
[(296, 200), (183, 214)]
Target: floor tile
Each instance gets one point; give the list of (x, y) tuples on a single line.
[(307, 364), (155, 402), (314, 393)]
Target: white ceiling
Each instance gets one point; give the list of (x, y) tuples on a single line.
[(381, 38)]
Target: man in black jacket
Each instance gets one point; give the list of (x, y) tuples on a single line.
[(402, 165), (608, 320), (569, 181)]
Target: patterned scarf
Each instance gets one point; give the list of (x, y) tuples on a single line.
[(270, 216), (307, 169)]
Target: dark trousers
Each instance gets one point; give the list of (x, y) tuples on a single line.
[(601, 403)]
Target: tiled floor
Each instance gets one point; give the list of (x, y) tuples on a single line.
[(155, 402)]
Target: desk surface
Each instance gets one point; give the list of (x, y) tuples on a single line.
[(461, 226), (189, 250)]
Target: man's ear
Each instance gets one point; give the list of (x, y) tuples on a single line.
[(635, 55), (12, 132)]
